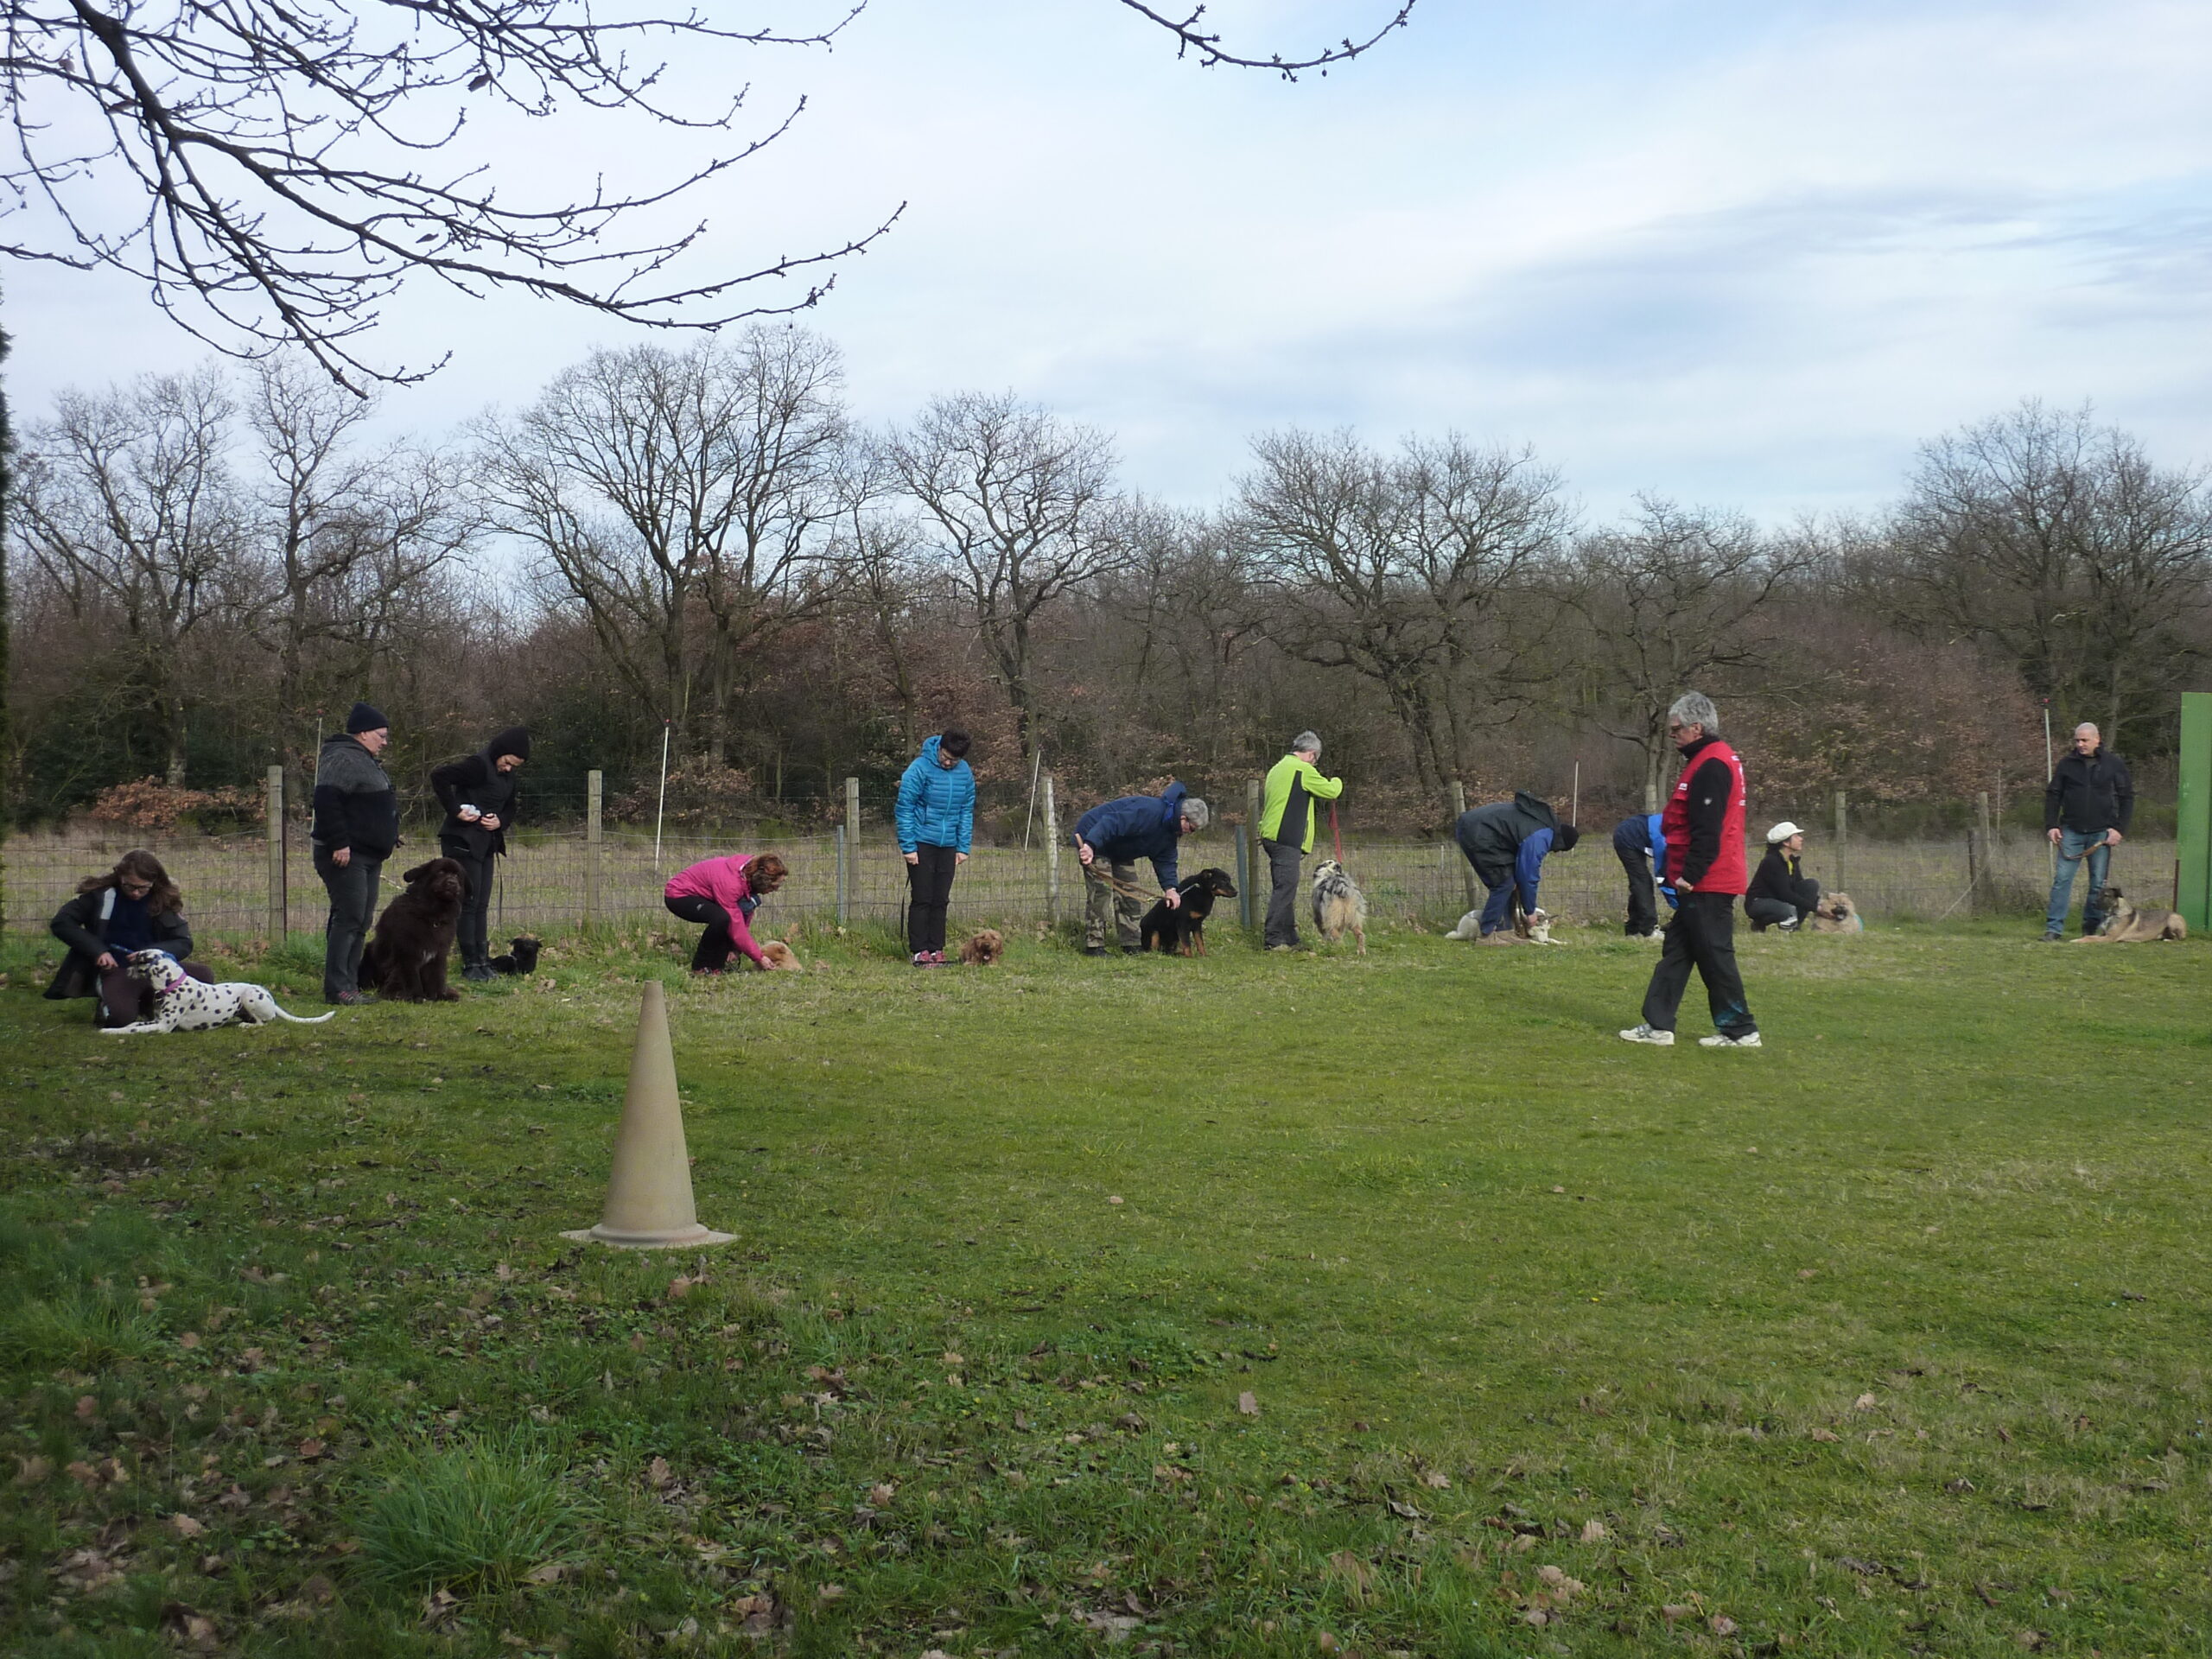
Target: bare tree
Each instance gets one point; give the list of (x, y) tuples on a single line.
[(1020, 505), (1398, 568), (680, 500), (2058, 543), (127, 507)]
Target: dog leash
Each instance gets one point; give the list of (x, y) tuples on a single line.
[(1335, 835)]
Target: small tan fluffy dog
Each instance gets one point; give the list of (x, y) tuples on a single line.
[(782, 958), (1835, 913), (982, 947), (2125, 925)]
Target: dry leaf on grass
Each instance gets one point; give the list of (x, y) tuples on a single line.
[(186, 1527), (1827, 1434), (1247, 1404), (880, 1496), (1593, 1532), (1865, 1402), (1437, 1478), (1722, 1625), (830, 1593), (679, 1288), (657, 1473), (1676, 1609)]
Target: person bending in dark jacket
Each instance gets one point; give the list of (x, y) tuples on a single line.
[(1780, 894), (1640, 843), (355, 826), (2086, 812), (1507, 842), (134, 907), (478, 795), (1110, 839)]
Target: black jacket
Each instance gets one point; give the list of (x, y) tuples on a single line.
[(474, 782), (355, 805), (82, 926), (2089, 795), (1490, 837), (1780, 877), (1711, 782)]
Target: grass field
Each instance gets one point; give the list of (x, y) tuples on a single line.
[(1256, 1305)]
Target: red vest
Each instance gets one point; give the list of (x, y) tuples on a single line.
[(1730, 872)]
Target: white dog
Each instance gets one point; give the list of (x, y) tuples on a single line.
[(182, 1003), (1529, 927)]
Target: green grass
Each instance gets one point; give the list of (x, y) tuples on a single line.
[(1888, 1338)]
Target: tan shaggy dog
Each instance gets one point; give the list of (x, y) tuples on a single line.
[(2125, 925), (781, 958), (983, 947), (1835, 913)]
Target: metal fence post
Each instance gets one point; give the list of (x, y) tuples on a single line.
[(279, 899), (592, 790), (1052, 856)]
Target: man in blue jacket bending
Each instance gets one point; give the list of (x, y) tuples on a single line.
[(1111, 838), (936, 819), (1506, 842), (1640, 846)]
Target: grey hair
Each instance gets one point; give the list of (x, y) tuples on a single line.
[(1307, 740), (1695, 708), (1196, 811)]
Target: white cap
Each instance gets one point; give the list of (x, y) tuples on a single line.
[(1783, 832)]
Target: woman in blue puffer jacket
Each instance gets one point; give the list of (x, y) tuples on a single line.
[(936, 817)]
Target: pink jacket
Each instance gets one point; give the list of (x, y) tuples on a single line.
[(722, 881)]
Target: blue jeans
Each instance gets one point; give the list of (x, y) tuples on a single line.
[(1498, 909), (2072, 845)]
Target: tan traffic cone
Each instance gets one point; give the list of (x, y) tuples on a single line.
[(649, 1195)]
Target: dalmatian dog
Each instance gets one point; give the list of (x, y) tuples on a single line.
[(182, 1003)]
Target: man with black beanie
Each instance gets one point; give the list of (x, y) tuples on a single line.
[(356, 827), (479, 795)]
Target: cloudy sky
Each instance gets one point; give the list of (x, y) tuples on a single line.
[(1743, 254)]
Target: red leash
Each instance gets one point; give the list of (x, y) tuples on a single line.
[(1333, 834)]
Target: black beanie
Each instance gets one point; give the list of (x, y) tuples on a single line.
[(366, 719), (514, 740), (1565, 840)]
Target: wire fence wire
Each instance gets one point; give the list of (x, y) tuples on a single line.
[(547, 883)]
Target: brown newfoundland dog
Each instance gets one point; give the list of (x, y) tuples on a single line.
[(406, 960)]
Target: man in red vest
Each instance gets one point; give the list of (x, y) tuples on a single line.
[(1704, 824)]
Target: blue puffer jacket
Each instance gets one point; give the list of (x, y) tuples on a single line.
[(936, 805), (1135, 827)]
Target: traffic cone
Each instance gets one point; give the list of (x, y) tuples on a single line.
[(649, 1194)]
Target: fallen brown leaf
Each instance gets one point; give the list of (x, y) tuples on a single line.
[(88, 1407), (657, 1472), (1437, 1478), (1722, 1625), (31, 1471), (1593, 1532), (1247, 1404), (1676, 1609), (679, 1288), (186, 1527), (1865, 1402), (1827, 1434)]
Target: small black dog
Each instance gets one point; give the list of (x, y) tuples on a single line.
[(523, 959), (1183, 928)]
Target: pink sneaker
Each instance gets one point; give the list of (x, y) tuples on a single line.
[(937, 958)]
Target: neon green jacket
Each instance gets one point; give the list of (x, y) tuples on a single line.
[(1293, 787)]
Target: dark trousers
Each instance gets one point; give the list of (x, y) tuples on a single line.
[(1283, 863), (715, 944), (473, 930), (126, 1001), (1702, 936), (352, 890), (929, 894), (1634, 852), (1763, 913)]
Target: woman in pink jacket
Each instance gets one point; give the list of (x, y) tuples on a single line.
[(723, 892)]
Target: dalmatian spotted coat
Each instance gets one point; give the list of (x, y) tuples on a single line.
[(182, 1003)]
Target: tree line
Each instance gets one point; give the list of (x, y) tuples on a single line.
[(704, 546)]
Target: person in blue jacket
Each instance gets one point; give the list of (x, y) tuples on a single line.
[(1506, 842), (1640, 846), (936, 819), (1111, 838)]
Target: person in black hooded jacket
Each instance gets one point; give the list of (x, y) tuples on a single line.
[(479, 795)]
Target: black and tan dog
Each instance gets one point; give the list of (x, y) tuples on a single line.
[(406, 960), (1183, 928), (2125, 923)]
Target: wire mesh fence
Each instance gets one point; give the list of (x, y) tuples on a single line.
[(559, 879)]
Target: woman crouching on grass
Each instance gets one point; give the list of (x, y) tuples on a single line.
[(723, 892), (134, 907)]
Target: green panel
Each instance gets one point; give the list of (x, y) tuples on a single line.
[(2195, 836)]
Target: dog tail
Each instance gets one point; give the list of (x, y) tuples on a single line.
[(306, 1019)]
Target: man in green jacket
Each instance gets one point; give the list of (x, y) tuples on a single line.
[(1294, 783)]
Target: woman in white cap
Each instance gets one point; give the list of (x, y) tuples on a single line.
[(1780, 894)]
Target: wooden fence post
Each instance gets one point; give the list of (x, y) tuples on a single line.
[(1052, 856), (279, 899), (1985, 874), (1467, 870), (852, 843), (1255, 798), (593, 789), (1244, 839)]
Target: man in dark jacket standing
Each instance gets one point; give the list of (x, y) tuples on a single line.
[(1506, 842), (478, 795), (1111, 838), (1780, 894), (1704, 825), (2086, 812), (356, 827)]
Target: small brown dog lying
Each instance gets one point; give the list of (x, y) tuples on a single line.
[(983, 947), (2125, 925), (1835, 913), (782, 959), (406, 960)]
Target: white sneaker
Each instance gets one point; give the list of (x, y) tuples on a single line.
[(1645, 1034), (1719, 1041)]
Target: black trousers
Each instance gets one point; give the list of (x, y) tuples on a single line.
[(470, 931), (1635, 854), (1283, 861), (1763, 913), (929, 894), (716, 947), (1702, 936), (352, 890)]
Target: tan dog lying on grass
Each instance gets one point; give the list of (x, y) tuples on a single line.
[(982, 947), (1835, 913), (2125, 925), (781, 958)]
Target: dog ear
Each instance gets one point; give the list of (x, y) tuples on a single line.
[(416, 874)]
